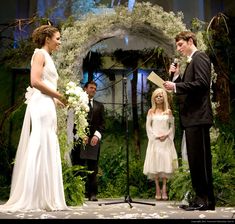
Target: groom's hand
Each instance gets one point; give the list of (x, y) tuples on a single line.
[(169, 85)]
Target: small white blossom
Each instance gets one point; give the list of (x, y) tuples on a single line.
[(189, 59)]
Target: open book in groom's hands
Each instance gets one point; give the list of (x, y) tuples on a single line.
[(157, 80)]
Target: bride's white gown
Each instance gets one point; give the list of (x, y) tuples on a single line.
[(37, 176)]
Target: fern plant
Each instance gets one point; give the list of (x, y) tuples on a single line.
[(180, 183), (223, 151), (74, 185)]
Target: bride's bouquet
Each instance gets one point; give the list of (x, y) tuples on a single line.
[(78, 100)]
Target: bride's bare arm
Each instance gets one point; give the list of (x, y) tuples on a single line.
[(36, 77)]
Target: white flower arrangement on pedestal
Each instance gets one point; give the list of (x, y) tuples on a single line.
[(78, 100)]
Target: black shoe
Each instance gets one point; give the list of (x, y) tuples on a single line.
[(199, 207), (183, 206), (93, 198), (207, 207), (190, 204)]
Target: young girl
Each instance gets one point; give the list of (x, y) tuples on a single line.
[(161, 157)]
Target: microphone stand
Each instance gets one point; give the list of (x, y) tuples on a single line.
[(127, 198)]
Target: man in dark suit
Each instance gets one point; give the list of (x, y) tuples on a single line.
[(89, 156), (193, 92)]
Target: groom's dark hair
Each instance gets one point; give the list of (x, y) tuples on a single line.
[(90, 82)]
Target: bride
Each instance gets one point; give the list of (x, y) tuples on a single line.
[(37, 175)]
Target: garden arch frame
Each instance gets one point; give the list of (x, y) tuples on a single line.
[(146, 20)]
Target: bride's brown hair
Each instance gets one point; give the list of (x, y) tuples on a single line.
[(39, 34)]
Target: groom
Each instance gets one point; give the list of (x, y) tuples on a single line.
[(193, 92), (89, 156)]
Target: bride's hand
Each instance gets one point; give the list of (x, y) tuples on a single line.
[(85, 140), (60, 103)]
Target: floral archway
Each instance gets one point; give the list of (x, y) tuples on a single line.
[(146, 20)]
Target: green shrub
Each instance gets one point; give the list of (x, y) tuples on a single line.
[(74, 185), (112, 168), (223, 168), (180, 183), (223, 151)]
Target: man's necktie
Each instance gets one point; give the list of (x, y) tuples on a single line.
[(90, 111), (89, 104)]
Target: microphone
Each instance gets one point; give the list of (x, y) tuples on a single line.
[(175, 62)]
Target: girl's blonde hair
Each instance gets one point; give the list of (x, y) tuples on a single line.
[(165, 99)]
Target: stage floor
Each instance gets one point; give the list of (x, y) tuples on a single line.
[(161, 210)]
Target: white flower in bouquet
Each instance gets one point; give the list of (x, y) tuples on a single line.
[(78, 100)]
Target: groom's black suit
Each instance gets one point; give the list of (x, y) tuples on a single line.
[(193, 91)]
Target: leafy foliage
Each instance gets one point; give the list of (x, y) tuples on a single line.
[(223, 151), (74, 185), (180, 183), (112, 163), (12, 57), (223, 168)]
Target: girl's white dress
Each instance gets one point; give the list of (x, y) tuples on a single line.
[(37, 175), (161, 157)]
